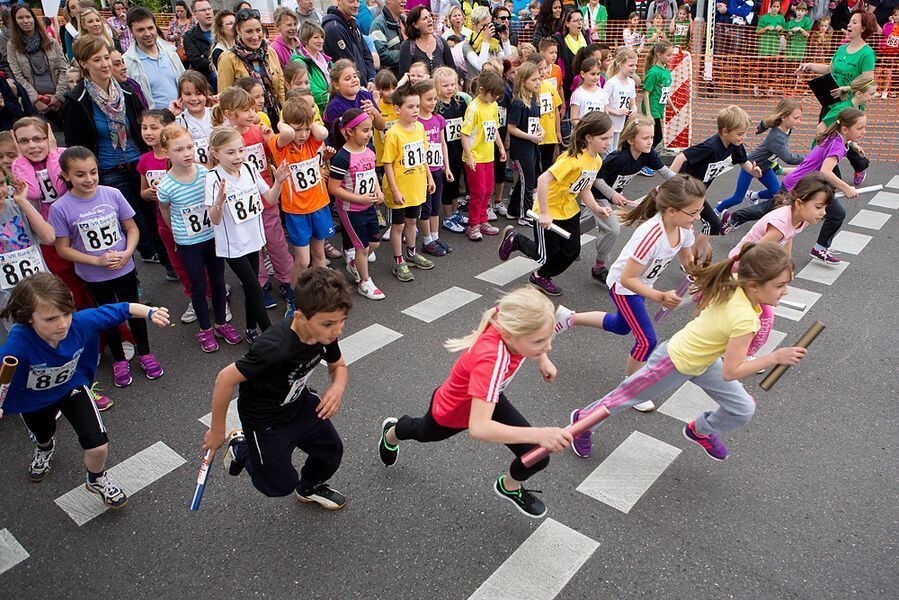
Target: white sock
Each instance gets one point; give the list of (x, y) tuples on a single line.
[(427, 239), (435, 235)]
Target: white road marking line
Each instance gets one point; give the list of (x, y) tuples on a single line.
[(798, 295), (11, 551), (364, 342), (507, 272), (774, 340), (894, 182), (625, 475), (687, 402), (131, 475), (820, 273), (885, 200), (869, 219), (850, 242), (439, 305), (540, 567), (232, 420)]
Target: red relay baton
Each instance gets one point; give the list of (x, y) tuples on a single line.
[(600, 413)]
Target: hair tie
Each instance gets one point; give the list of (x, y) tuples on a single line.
[(356, 121), (496, 309)]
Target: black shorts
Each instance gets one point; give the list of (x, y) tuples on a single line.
[(79, 410), (398, 215), (360, 228)]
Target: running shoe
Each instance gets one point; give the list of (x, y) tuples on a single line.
[(102, 402), (111, 495), (402, 272), (323, 495), (727, 222), (564, 316), (233, 466), (153, 258), (859, 178), (488, 229), (450, 225), (474, 233), (647, 406), (331, 251), (444, 245), (526, 221), (352, 270), (121, 373), (491, 214), (227, 333), (500, 209), (206, 338), (582, 445), (545, 284), (458, 217), (251, 335), (753, 198), (825, 256), (507, 243), (600, 274), (371, 256), (40, 464), (368, 289), (286, 292), (524, 500), (713, 446), (386, 451), (267, 298), (189, 316), (419, 262), (434, 249), (150, 366), (171, 276), (647, 172)]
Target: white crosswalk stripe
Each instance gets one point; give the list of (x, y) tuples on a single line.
[(517, 266), (820, 273), (885, 200), (869, 219), (11, 551), (441, 304), (797, 295), (850, 242)]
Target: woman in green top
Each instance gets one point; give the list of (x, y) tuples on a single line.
[(851, 59), (595, 18), (770, 26), (799, 28), (657, 86)]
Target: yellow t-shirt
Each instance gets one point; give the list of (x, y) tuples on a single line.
[(388, 111), (549, 101), (573, 175), (705, 338), (406, 149), (264, 120), (481, 123)]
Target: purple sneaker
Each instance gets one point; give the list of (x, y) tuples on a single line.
[(583, 443), (228, 333), (150, 366), (713, 446), (545, 284), (507, 243), (121, 374), (207, 340), (859, 178), (824, 256)]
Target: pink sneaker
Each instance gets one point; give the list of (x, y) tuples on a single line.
[(102, 402), (207, 340), (121, 373), (227, 333), (488, 229), (151, 366)]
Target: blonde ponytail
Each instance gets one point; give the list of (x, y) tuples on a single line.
[(520, 312)]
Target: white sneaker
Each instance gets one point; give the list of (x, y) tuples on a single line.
[(128, 349), (228, 315), (491, 214), (385, 237), (368, 289), (753, 198), (189, 316), (647, 406), (111, 495), (352, 270), (563, 319), (349, 255), (500, 209), (371, 256)]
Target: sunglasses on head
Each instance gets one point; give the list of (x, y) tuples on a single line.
[(245, 14)]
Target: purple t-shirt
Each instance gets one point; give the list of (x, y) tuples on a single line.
[(834, 146), (434, 129), (94, 226), (339, 105)]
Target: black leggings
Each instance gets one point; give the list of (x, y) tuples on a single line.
[(553, 252), (247, 270), (199, 261), (79, 410), (657, 136), (522, 198), (452, 189), (426, 429), (121, 289), (546, 156)]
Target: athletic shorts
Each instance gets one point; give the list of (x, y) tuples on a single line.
[(302, 228), (79, 410), (360, 228), (398, 215)]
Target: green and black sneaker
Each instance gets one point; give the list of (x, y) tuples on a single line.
[(524, 500), (386, 451)]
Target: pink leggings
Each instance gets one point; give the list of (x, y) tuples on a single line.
[(766, 321), (480, 187), (276, 245)]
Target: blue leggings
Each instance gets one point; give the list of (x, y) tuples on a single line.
[(768, 179), (632, 316)]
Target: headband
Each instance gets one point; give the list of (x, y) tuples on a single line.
[(357, 120)]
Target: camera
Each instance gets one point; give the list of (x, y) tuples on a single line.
[(499, 28)]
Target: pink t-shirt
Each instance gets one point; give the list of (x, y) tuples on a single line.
[(152, 168), (434, 130), (780, 219)]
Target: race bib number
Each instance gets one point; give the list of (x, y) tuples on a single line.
[(621, 181), (305, 175), (44, 378), (19, 264), (434, 155), (681, 29), (245, 206), (201, 151), (256, 157), (583, 182), (502, 116), (592, 105), (893, 41), (665, 95), (154, 177), (453, 129), (655, 269), (195, 219), (296, 389), (100, 233), (366, 183), (413, 154), (623, 100), (48, 192), (546, 104), (716, 168), (490, 131), (533, 125)]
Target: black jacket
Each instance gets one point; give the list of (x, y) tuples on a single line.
[(344, 40), (197, 49), (78, 118)]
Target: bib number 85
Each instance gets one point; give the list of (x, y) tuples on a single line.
[(104, 237)]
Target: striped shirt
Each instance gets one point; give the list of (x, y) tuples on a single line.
[(650, 248), (190, 218)]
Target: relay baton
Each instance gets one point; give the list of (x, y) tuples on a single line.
[(791, 304), (804, 342), (202, 476), (597, 415), (7, 369), (552, 226), (864, 190), (681, 290)]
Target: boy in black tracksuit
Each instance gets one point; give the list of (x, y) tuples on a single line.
[(278, 411)]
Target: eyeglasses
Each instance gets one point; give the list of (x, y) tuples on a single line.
[(35, 140), (245, 14), (690, 214)]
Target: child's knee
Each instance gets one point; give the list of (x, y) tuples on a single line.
[(95, 442), (521, 473)]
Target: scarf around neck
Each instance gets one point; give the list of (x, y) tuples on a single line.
[(32, 43), (112, 105), (250, 58)]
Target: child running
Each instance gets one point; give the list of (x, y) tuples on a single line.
[(472, 398), (666, 218), (621, 89), (558, 189), (711, 351), (95, 229), (58, 353), (279, 412)]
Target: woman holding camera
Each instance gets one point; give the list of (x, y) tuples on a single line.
[(484, 43)]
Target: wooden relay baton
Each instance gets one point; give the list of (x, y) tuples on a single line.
[(804, 342), (7, 369), (598, 414)]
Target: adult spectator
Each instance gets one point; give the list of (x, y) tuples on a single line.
[(286, 42), (882, 10), (104, 117), (153, 63), (455, 24), (318, 65), (502, 16), (118, 22), (620, 10), (252, 57), (120, 74), (198, 40), (37, 62), (4, 41), (343, 39), (666, 8), (222, 35), (241, 5), (549, 21), (571, 39), (483, 43), (182, 22), (387, 33), (69, 33), (306, 11), (422, 44)]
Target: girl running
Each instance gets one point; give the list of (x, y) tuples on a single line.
[(95, 229), (711, 351), (525, 135), (666, 215), (472, 397), (193, 111), (621, 90), (181, 195)]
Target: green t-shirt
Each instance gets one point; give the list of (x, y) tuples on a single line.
[(657, 82), (681, 35), (835, 109), (797, 43), (845, 67), (769, 41)]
